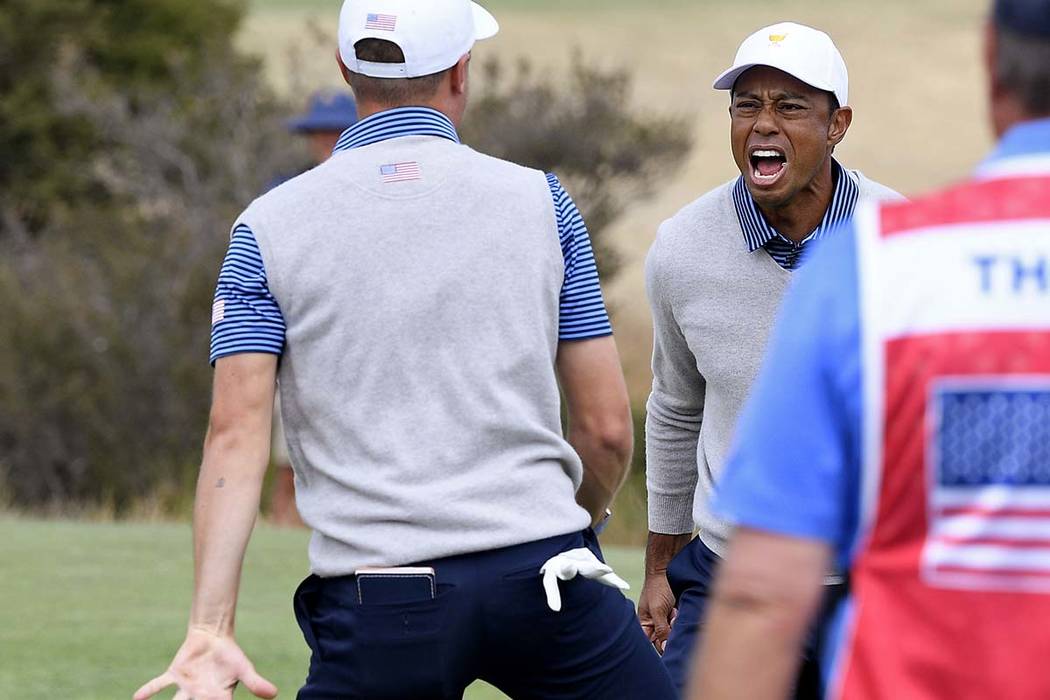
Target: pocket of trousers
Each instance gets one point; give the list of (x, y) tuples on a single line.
[(339, 626), (527, 597), (399, 649)]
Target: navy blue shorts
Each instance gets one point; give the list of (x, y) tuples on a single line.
[(489, 621), (691, 575)]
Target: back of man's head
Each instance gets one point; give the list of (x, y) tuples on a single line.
[(391, 92), (399, 52), (1020, 62)]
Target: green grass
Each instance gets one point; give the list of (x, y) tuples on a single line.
[(91, 611)]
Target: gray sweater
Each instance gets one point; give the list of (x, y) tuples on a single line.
[(418, 386), (713, 305)]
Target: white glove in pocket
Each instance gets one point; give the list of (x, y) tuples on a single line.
[(576, 562)]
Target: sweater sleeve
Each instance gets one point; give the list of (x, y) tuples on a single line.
[(673, 413)]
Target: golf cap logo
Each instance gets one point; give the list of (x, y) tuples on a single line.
[(777, 39), (382, 23)]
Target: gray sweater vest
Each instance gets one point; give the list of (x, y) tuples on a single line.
[(714, 304), (418, 386)]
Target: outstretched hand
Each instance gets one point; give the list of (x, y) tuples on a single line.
[(208, 667)]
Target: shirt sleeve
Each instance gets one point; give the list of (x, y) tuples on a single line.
[(583, 314), (673, 414), (795, 466), (245, 316)]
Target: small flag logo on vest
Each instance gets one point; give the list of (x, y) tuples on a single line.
[(218, 311), (401, 172), (383, 23)]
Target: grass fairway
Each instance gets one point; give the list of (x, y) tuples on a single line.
[(91, 611)]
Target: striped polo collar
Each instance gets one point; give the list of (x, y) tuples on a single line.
[(758, 232), (396, 123)]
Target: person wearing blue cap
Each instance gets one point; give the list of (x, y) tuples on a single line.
[(328, 115), (915, 349)]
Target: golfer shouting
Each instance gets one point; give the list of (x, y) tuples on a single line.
[(716, 275)]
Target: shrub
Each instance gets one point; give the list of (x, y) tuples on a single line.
[(585, 129), (111, 243)]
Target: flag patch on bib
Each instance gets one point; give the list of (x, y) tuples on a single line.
[(989, 485)]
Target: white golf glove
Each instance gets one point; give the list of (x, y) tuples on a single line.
[(576, 562)]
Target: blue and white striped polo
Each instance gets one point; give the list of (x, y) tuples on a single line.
[(247, 319), (759, 234)]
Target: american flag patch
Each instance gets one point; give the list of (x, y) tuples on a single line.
[(989, 481), (383, 23), (401, 172), (218, 311)]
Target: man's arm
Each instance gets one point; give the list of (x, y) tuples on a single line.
[(768, 590), (236, 452), (672, 430), (599, 411)]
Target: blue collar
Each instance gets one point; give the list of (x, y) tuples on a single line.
[(1024, 139), (758, 232), (397, 123)]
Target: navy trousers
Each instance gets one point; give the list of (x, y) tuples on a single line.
[(691, 575), (489, 621)]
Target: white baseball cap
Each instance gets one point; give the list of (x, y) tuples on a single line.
[(800, 51), (433, 34)]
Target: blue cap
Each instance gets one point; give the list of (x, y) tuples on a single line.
[(1025, 17), (328, 111)]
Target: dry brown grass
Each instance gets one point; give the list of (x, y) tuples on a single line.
[(916, 80)]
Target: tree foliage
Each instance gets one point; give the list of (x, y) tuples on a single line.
[(106, 46), (139, 133), (583, 127)]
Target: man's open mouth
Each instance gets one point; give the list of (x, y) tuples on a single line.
[(767, 165)]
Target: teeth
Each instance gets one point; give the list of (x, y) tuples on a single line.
[(760, 177), (767, 154)]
